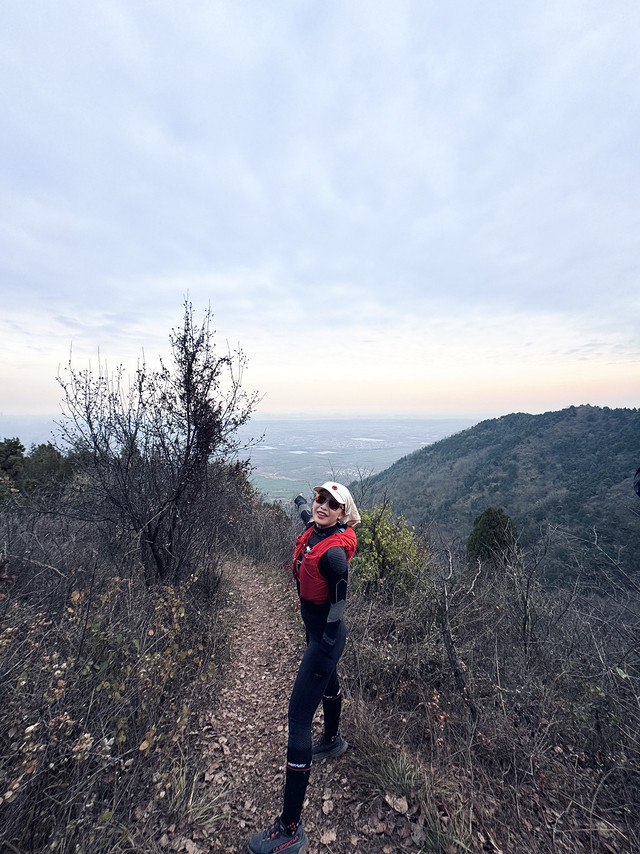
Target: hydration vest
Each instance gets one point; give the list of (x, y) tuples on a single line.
[(306, 562)]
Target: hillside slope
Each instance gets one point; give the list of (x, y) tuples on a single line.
[(572, 468)]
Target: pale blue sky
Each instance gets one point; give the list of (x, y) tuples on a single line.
[(390, 206)]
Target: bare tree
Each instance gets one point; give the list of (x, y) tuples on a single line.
[(150, 454)]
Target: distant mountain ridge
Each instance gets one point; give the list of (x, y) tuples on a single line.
[(573, 468)]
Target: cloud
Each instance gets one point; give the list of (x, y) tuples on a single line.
[(442, 185)]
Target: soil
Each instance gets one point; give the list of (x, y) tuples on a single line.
[(245, 733)]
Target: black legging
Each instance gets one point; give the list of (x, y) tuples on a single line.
[(317, 677)]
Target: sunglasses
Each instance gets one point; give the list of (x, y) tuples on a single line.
[(333, 504)]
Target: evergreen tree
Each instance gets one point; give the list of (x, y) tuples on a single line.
[(494, 537), (11, 465)]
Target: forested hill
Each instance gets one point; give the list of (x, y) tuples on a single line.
[(573, 468)]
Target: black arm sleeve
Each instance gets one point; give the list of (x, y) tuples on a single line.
[(335, 568), (303, 509)]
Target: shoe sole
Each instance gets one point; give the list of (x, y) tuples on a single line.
[(304, 848), (332, 754)]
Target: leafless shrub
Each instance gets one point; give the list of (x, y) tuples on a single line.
[(266, 533), (527, 694), (154, 456), (100, 681)]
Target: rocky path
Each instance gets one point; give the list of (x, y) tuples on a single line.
[(246, 731)]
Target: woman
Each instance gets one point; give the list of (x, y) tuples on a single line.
[(320, 567)]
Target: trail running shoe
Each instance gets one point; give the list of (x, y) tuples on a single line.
[(325, 748), (275, 839)]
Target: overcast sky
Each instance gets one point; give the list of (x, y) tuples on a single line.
[(390, 206)]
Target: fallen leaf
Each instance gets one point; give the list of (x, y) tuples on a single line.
[(399, 804), (417, 834), (404, 830), (328, 837), (140, 811)]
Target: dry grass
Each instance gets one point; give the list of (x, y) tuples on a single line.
[(516, 707), (505, 714), (100, 682), (392, 772)]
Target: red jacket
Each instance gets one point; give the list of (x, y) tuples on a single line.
[(306, 569)]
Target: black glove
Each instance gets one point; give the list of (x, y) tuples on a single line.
[(299, 500)]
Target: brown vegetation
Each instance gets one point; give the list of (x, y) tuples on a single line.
[(517, 704), (484, 711), (149, 641)]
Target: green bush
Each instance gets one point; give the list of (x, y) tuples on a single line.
[(387, 549)]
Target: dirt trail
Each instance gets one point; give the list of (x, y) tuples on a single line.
[(246, 732)]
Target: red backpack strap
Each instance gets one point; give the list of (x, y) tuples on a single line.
[(301, 543)]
